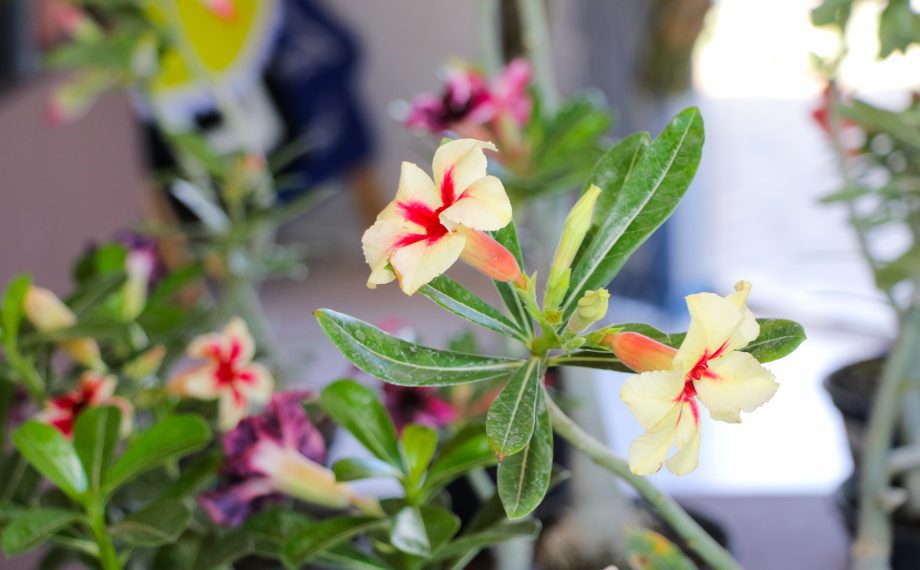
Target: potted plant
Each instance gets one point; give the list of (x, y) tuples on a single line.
[(876, 149)]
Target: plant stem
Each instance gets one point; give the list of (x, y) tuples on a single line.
[(676, 517), (108, 558), (872, 549), (536, 41)]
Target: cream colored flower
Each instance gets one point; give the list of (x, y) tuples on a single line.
[(430, 225), (708, 368)]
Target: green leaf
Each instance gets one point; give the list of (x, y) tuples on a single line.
[(418, 444), (194, 476), (508, 237), (511, 417), (358, 409), (597, 359), (468, 449), (649, 550), (324, 535), (405, 363), (12, 310), (648, 196), (523, 478), (612, 170), (168, 439), (29, 530), (408, 533), (95, 436), (271, 530), (160, 523), (778, 337), (53, 456), (505, 530), (220, 551), (460, 301), (896, 28), (355, 468), (440, 525)]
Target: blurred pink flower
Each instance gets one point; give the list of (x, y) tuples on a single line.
[(417, 405), (278, 452), (94, 390)]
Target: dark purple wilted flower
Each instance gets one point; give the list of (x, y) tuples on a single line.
[(417, 405), (278, 452)]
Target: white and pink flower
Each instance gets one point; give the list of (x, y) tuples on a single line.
[(228, 374), (94, 390), (708, 368), (432, 223)]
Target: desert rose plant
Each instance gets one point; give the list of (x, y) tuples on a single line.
[(463, 213)]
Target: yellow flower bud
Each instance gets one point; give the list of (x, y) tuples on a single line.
[(591, 308), (576, 227), (47, 313)]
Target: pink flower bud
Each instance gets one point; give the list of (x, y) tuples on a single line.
[(490, 258), (639, 352)]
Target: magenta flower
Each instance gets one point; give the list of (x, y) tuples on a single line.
[(465, 99), (509, 92), (417, 405), (278, 452)]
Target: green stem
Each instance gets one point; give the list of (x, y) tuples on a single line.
[(537, 43), (676, 517), (873, 542), (108, 558)]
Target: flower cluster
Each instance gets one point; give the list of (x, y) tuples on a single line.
[(94, 389)]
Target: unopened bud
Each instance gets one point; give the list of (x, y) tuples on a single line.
[(47, 313), (139, 265), (489, 257), (639, 352), (577, 224), (146, 364), (591, 308)]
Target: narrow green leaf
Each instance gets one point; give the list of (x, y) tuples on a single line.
[(523, 478), (418, 444), (613, 169), (405, 363), (358, 409), (170, 438), (12, 310), (95, 436), (468, 449), (597, 359), (159, 523), (508, 237), (323, 536), (53, 456), (355, 468), (505, 530), (646, 199), (408, 533), (460, 301), (511, 417), (29, 530)]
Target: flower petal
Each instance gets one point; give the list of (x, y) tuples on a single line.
[(457, 165), (483, 206), (418, 263), (686, 440), (648, 451), (231, 408), (717, 325), (207, 346), (737, 383), (415, 186), (198, 382), (378, 243), (231, 505), (239, 341), (651, 396), (256, 383)]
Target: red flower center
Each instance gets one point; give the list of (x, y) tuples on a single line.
[(430, 219)]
